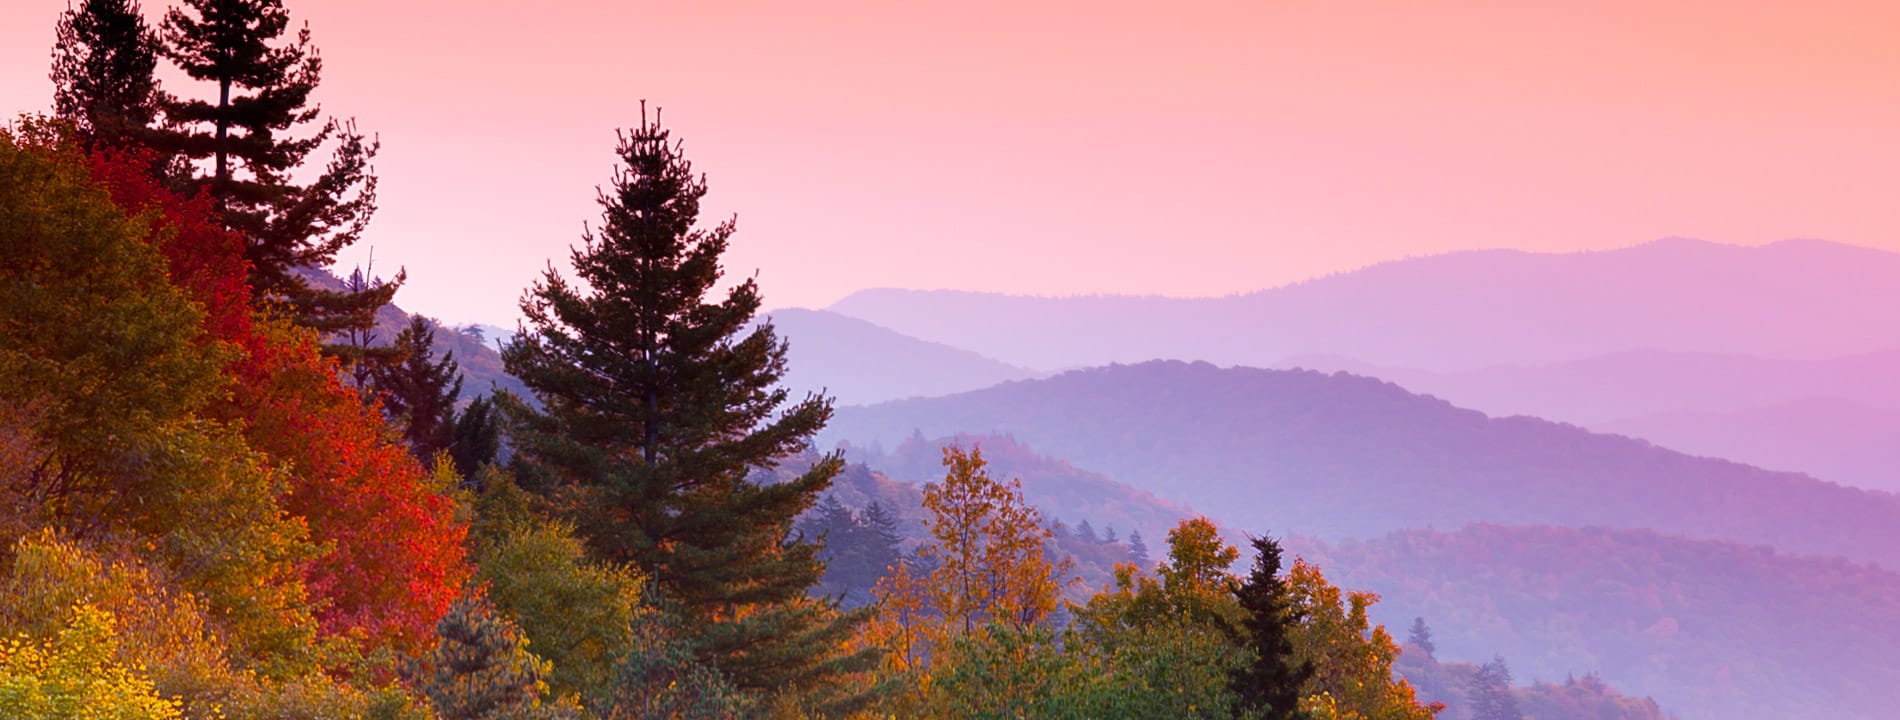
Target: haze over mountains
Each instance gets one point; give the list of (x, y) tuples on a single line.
[(857, 362), (1710, 629), (1460, 311), (1755, 385), (1345, 456)]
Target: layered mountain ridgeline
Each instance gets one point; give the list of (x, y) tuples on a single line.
[(1345, 456), (1638, 383), (1805, 299), (856, 362), (1709, 629), (1830, 418), (1829, 437)]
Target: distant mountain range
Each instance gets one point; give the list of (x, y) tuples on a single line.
[(1709, 629), (1794, 299), (1829, 437), (1637, 383), (857, 362), (1837, 419), (1339, 456)]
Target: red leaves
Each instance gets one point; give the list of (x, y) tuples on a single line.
[(392, 558)]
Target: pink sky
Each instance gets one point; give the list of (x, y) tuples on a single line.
[(1204, 148)]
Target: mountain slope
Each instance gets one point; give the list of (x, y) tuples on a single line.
[(857, 362), (1345, 456), (1634, 383), (1804, 299), (1829, 437), (1709, 629)]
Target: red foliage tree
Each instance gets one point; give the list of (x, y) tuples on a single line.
[(393, 557)]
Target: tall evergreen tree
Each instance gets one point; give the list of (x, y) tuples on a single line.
[(419, 392), (104, 81), (1420, 637), (264, 81), (1490, 695), (1086, 532), (659, 401), (882, 525), (1138, 551), (1272, 685)]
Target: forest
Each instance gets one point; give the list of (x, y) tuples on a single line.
[(228, 490)]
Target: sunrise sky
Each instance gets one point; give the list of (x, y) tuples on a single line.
[(1186, 148)]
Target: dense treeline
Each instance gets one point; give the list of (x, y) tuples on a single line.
[(1724, 629)]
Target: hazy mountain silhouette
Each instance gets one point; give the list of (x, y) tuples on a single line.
[(1347, 456), (1795, 299), (1828, 437), (857, 362), (1636, 383), (1709, 629), (1834, 419)]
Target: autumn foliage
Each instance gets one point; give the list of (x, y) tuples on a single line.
[(392, 556)]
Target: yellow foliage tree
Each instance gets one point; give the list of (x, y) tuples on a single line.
[(992, 565), (77, 675), (989, 570)]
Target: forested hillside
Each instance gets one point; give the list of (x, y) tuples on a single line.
[(1710, 629)]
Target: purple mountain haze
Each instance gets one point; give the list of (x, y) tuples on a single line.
[(1799, 299)]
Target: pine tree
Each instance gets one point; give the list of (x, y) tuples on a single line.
[(477, 437), (1086, 532), (480, 668), (1272, 685), (419, 393), (659, 403), (1108, 535), (837, 530), (355, 344), (1138, 551), (1490, 695), (1421, 637), (263, 85), (884, 537), (104, 80)]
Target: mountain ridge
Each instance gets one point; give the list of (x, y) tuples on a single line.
[(1339, 456), (1453, 311)]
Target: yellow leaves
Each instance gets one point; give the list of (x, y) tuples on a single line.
[(990, 549), (76, 675)]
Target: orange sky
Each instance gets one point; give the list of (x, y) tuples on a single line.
[(1186, 148)]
